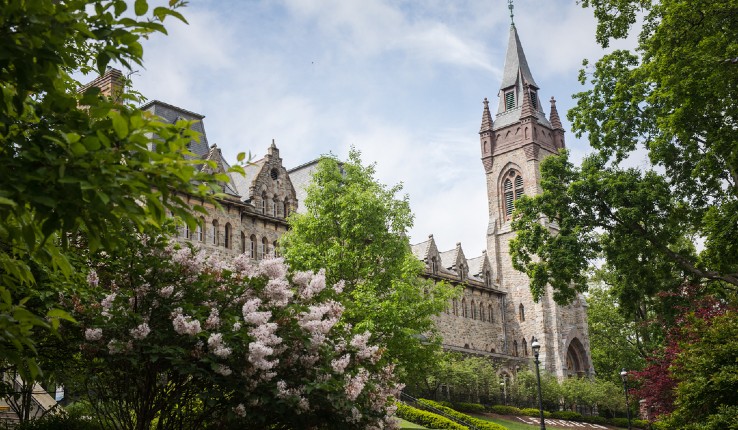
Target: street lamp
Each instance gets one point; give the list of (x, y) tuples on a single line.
[(536, 347), (504, 391), (624, 376)]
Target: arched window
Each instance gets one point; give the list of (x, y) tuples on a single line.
[(275, 206), (461, 272), (456, 307), (473, 310), (253, 246), (227, 236), (521, 310), (490, 315), (286, 208), (243, 243), (264, 247), (198, 229), (463, 308), (525, 348), (275, 248), (512, 189), (187, 231), (264, 202), (515, 348), (488, 279), (434, 265), (215, 232), (481, 312)]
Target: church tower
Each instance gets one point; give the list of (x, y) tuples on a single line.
[(513, 144)]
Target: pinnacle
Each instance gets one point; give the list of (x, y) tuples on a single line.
[(486, 117), (528, 110), (554, 116)]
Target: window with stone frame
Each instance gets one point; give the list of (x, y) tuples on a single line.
[(488, 279), (463, 308), (275, 207), (490, 315), (264, 251), (521, 312), (512, 189), (525, 347), (275, 249), (215, 233), (243, 243), (481, 312), (473, 310), (515, 348), (227, 236), (264, 202), (456, 307), (253, 246), (434, 265), (286, 207), (198, 229)]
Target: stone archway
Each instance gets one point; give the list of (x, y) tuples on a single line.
[(576, 359)]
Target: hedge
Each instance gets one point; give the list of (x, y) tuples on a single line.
[(476, 422), (426, 419), (467, 407), (504, 410), (60, 422), (533, 412), (567, 415)]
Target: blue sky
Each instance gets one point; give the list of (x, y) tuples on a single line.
[(402, 81)]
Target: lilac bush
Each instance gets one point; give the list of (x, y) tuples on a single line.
[(182, 339)]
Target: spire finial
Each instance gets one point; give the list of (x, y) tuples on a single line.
[(510, 6)]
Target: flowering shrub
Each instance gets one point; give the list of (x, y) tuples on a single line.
[(190, 340)]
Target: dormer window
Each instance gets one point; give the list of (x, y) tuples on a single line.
[(512, 189), (509, 100), (434, 265)]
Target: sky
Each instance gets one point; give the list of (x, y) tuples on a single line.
[(400, 80)]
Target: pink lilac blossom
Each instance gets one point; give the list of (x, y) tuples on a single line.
[(265, 334), (315, 286), (216, 346), (339, 286), (364, 351), (184, 324), (339, 364), (92, 279), (116, 347), (236, 326), (257, 318), (213, 320), (278, 292), (166, 291), (93, 334), (355, 415), (258, 353), (273, 268), (355, 384), (140, 331), (107, 302), (240, 410), (223, 370)]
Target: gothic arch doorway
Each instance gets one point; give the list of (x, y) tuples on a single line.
[(576, 359)]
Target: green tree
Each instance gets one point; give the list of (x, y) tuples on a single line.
[(616, 341), (355, 228), (69, 171), (675, 97)]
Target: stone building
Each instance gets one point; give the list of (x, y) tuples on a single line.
[(496, 316)]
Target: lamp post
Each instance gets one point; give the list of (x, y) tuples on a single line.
[(504, 391), (624, 376), (536, 347)]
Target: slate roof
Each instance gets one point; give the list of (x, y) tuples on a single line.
[(476, 265), (515, 62), (420, 250), (243, 183), (301, 176), (448, 258), (171, 114)]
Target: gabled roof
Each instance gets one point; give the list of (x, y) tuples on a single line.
[(448, 258), (420, 250), (301, 176), (243, 183)]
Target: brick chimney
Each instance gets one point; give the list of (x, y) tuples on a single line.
[(110, 84)]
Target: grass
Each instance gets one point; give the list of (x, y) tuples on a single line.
[(408, 425)]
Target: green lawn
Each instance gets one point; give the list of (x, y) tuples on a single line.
[(408, 425)]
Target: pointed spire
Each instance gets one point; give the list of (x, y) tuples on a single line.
[(528, 110), (554, 116), (486, 117), (515, 63)]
